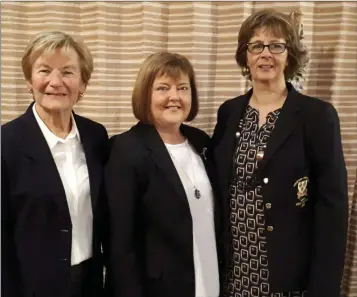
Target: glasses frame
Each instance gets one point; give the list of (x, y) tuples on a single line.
[(268, 46)]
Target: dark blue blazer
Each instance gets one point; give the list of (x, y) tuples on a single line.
[(35, 220), (306, 248), (151, 241)]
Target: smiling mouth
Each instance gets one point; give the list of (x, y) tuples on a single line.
[(265, 66), (173, 107), (55, 94)]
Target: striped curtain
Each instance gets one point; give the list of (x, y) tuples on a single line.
[(121, 34)]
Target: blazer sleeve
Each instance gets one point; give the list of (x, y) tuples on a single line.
[(123, 191), (331, 206), (11, 281)]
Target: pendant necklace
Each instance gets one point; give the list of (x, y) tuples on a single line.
[(197, 192)]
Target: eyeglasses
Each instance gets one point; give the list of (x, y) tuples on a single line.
[(274, 48)]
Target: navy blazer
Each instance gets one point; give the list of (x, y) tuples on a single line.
[(307, 245), (35, 222), (151, 238)]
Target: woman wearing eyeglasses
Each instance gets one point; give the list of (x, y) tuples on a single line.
[(282, 173)]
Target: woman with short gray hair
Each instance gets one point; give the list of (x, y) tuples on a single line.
[(51, 194)]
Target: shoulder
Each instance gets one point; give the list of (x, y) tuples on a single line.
[(127, 153), (193, 132), (321, 124), (11, 131), (196, 131), (235, 105), (126, 139), (94, 126), (12, 135), (317, 110), (228, 104), (126, 145), (11, 126)]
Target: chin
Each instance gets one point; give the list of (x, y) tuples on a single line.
[(266, 79), (173, 122), (56, 106)]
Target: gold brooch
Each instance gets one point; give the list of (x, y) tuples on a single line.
[(301, 184)]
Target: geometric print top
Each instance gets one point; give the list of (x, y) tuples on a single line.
[(248, 273)]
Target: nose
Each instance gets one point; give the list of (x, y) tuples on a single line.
[(266, 52), (173, 94), (55, 79)]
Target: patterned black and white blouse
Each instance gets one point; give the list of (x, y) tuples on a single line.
[(248, 273)]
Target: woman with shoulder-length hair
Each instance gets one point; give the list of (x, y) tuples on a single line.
[(160, 186), (282, 173), (51, 179)]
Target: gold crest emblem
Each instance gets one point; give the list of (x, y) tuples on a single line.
[(301, 185)]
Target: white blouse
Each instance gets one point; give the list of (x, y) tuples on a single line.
[(193, 175), (71, 164)]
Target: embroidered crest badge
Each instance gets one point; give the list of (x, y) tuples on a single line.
[(301, 185)]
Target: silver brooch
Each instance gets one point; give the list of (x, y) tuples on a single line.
[(203, 154)]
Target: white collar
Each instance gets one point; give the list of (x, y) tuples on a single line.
[(50, 137)]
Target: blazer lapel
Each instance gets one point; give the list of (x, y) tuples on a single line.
[(224, 150), (159, 154), (284, 126), (36, 148), (92, 159)]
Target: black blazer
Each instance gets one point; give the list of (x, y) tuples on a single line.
[(307, 245), (151, 225), (36, 224)]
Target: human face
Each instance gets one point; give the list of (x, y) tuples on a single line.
[(267, 67), (170, 100), (56, 80)]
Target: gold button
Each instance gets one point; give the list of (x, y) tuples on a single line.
[(268, 205), (260, 155), (270, 228)]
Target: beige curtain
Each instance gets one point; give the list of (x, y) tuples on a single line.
[(121, 34)]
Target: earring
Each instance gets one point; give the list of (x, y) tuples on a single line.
[(30, 91), (80, 96), (246, 70)]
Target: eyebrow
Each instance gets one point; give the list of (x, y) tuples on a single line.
[(166, 84), (42, 65), (273, 40), (47, 66), (69, 67)]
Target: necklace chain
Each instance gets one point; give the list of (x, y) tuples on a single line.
[(197, 192)]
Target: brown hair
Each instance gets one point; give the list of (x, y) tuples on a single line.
[(156, 65), (280, 25), (50, 41)]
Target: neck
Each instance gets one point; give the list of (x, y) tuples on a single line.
[(266, 93), (58, 122), (171, 134)]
